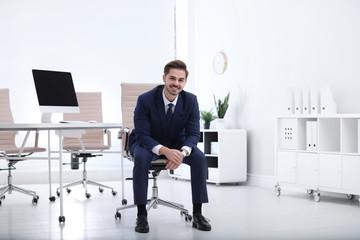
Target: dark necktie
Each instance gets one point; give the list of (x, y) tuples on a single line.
[(169, 115)]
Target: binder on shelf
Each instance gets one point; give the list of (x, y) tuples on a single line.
[(311, 136), (289, 101), (314, 101), (309, 133), (314, 136), (297, 101), (305, 101), (328, 105)]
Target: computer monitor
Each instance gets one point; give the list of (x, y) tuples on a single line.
[(55, 92)]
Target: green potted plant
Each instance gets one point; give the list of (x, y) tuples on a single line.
[(221, 108), (207, 117)]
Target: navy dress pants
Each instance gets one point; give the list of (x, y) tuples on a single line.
[(143, 159)]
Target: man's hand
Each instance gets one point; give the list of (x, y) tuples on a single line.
[(174, 157)]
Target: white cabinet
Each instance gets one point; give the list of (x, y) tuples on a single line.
[(318, 153), (350, 172), (307, 169), (286, 167), (226, 156), (330, 170)]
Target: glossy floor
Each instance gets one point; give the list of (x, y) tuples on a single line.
[(236, 212)]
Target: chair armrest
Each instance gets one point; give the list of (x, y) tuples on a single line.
[(36, 139), (108, 134), (124, 134)]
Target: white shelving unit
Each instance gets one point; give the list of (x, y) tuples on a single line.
[(318, 153), (227, 160)]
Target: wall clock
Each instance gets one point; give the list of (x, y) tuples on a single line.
[(220, 63)]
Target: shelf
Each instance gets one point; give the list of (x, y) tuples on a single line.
[(227, 165)]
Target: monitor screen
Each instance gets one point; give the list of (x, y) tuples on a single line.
[(55, 91)]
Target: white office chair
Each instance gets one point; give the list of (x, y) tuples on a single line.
[(9, 150), (90, 104), (129, 95)]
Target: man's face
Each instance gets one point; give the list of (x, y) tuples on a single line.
[(174, 81)]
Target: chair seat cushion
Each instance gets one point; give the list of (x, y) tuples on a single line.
[(87, 146), (14, 150)]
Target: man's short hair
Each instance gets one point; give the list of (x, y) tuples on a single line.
[(177, 64)]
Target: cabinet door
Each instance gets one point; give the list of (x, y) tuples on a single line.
[(351, 172), (330, 170), (286, 167), (308, 169)]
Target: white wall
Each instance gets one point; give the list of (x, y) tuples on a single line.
[(272, 45), (102, 43)]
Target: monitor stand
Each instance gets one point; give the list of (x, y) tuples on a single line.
[(46, 118)]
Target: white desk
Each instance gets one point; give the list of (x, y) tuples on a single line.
[(60, 127)]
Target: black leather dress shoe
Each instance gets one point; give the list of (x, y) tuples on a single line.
[(201, 223), (142, 225)]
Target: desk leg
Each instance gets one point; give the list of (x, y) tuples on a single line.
[(122, 179), (61, 217), (51, 198)]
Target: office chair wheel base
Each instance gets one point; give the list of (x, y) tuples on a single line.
[(114, 192), (35, 200), (124, 202), (68, 190), (87, 195), (61, 219), (52, 199), (117, 216)]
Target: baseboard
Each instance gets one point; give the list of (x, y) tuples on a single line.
[(260, 180)]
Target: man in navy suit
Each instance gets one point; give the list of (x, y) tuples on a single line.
[(166, 121)]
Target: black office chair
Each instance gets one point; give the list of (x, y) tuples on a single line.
[(129, 96)]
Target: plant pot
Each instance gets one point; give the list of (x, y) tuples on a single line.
[(207, 125), (220, 123)]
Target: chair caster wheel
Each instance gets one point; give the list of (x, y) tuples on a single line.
[(61, 219), (52, 199), (188, 218), (124, 202), (3, 197), (114, 192), (68, 190), (87, 195), (117, 216), (58, 193), (101, 190), (35, 200)]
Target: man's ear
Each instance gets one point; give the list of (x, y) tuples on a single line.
[(164, 77)]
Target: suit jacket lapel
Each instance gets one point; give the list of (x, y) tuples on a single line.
[(160, 107)]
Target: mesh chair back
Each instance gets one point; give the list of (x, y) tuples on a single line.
[(129, 95), (90, 105), (7, 138)]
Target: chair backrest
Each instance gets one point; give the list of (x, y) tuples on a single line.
[(129, 95), (7, 138), (90, 105)]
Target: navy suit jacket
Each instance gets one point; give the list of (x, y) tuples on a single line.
[(150, 121)]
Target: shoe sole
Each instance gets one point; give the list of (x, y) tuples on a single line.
[(142, 231), (194, 225)]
